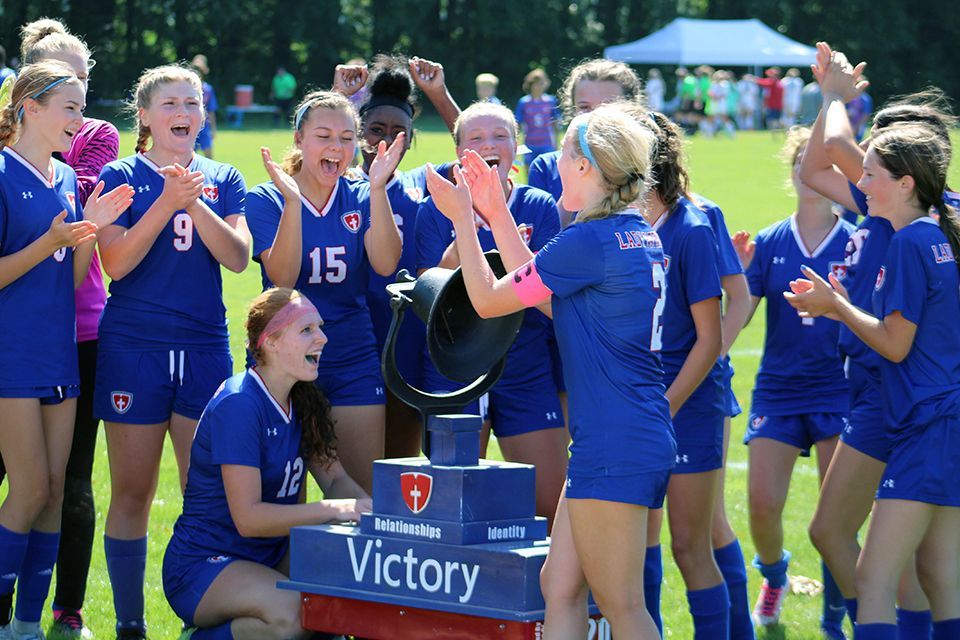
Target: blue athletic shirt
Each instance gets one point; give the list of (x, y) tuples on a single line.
[(919, 279), (242, 425), (544, 174), (801, 370), (37, 310), (334, 270), (690, 253), (606, 313), (863, 256), (173, 299), (535, 213)]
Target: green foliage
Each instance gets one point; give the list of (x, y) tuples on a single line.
[(245, 39)]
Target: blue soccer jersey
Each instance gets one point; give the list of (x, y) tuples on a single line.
[(863, 256), (37, 310), (919, 280), (544, 174), (607, 316), (801, 370), (728, 262), (690, 255), (535, 213), (242, 425), (173, 299)]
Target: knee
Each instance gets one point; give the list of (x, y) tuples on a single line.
[(561, 590), (821, 534), (691, 547), (285, 623), (131, 498), (620, 604), (936, 577), (764, 506)]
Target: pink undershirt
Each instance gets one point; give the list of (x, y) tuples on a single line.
[(96, 144)]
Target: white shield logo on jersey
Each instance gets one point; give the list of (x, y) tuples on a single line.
[(416, 489), (881, 276), (351, 220), (526, 232), (72, 199), (838, 269), (211, 192), (122, 400)]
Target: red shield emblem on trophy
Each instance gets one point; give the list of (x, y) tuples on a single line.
[(121, 401), (416, 488), (351, 221)]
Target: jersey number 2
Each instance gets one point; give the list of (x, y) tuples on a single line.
[(291, 479), (656, 329), (336, 267)]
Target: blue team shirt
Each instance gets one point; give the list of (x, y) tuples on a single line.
[(544, 174), (863, 256), (173, 299), (334, 269), (690, 254), (242, 425), (37, 310), (536, 117), (919, 279), (606, 313), (535, 213), (801, 370)]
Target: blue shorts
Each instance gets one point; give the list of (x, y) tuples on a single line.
[(645, 489), (699, 432), (925, 467), (517, 408), (146, 387), (46, 395), (187, 578), (204, 138), (411, 338), (801, 431), (866, 429), (359, 385), (731, 406), (698, 458)]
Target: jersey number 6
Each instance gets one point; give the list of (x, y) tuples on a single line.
[(656, 329)]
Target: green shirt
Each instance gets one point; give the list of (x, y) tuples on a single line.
[(284, 86)]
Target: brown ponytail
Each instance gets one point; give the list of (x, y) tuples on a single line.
[(143, 136)]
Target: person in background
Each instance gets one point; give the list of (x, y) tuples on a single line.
[(487, 84), (747, 105), (810, 99), (282, 89), (772, 97), (859, 111), (537, 114), (792, 86), (209, 130), (655, 89)]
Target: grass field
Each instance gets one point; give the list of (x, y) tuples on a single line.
[(742, 175)]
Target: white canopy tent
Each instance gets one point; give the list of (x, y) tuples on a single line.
[(741, 43)]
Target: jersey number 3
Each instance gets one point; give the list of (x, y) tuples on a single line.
[(656, 329), (292, 474)]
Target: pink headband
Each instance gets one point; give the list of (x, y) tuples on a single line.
[(290, 313)]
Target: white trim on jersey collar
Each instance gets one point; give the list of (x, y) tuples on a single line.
[(823, 243), (393, 180), (153, 165), (513, 193), (926, 219), (285, 414), (29, 165), (312, 208)]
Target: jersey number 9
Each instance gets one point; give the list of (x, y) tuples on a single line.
[(183, 232)]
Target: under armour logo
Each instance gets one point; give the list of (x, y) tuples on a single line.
[(379, 391), (143, 188), (26, 194), (779, 260), (271, 432), (682, 458), (551, 415), (889, 484)]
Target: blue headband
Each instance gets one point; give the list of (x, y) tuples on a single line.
[(584, 147), (302, 111), (53, 84)]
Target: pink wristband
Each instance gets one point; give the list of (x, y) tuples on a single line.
[(528, 285)]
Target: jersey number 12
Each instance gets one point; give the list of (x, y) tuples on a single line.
[(291, 479)]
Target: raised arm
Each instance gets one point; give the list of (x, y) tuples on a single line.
[(382, 240), (429, 77)]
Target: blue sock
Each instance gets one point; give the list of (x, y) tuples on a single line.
[(875, 632), (734, 569), (13, 548), (915, 625), (834, 607), (35, 574), (652, 580), (126, 564), (220, 632), (851, 609), (776, 573), (946, 629), (710, 609)]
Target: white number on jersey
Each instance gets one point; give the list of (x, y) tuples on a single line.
[(291, 483), (336, 270), (60, 254), (660, 284), (183, 230)]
